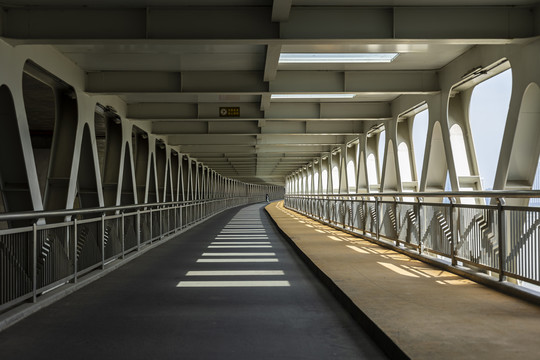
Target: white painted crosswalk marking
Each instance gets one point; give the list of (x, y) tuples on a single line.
[(242, 233), (261, 283), (239, 246), (240, 254), (236, 273), (237, 260), (240, 243)]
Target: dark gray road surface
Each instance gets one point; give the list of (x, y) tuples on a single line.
[(166, 305)]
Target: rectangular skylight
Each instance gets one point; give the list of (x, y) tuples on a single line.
[(333, 58), (312, 96)]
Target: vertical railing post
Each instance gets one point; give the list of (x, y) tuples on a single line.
[(351, 215), (34, 262), (75, 257), (366, 214), (452, 232), (377, 217), (123, 237), (102, 241), (151, 221), (501, 228), (138, 229), (419, 220), (176, 218), (396, 225), (160, 209)]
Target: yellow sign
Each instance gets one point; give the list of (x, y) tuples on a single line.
[(229, 111)]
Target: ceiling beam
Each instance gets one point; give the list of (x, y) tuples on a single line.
[(304, 22), (271, 127), (272, 61), (356, 81), (175, 82), (311, 150), (249, 140), (192, 114), (281, 10), (242, 82), (329, 111)]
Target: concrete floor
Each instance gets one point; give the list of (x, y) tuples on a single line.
[(427, 312), (161, 305)]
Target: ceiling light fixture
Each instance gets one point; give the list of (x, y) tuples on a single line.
[(312, 96), (340, 58)]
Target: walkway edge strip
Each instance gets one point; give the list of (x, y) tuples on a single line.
[(379, 336)]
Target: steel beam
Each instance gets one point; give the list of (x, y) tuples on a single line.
[(401, 82), (335, 22), (281, 10)]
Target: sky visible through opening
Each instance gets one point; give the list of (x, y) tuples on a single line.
[(488, 111), (487, 116)]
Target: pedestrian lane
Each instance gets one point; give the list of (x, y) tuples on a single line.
[(237, 246)]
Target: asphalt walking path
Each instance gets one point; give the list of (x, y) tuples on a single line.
[(230, 288), (427, 312)]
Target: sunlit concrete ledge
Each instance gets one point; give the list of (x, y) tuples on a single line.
[(416, 304), (509, 288)]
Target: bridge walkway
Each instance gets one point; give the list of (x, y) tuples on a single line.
[(230, 288)]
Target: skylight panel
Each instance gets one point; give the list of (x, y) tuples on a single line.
[(336, 58), (312, 96)]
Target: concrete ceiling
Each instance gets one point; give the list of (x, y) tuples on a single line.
[(177, 62)]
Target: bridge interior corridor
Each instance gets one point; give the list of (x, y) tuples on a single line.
[(141, 141), (229, 288)]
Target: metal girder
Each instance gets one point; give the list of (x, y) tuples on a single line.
[(186, 111), (213, 139), (281, 10), (299, 140), (180, 112), (210, 161), (312, 150), (272, 61), (274, 127), (206, 127), (334, 22), (360, 82), (248, 140), (342, 111), (187, 81), (356, 81)]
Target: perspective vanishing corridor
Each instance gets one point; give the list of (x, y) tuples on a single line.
[(141, 139)]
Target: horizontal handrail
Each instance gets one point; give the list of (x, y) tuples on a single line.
[(498, 238), (446, 194), (39, 257), (26, 215)]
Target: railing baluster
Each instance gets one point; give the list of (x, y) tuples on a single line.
[(377, 217), (103, 241), (452, 232), (123, 237), (34, 262), (500, 239), (75, 257)]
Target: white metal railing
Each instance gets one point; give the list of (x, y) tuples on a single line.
[(39, 257), (500, 238)]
